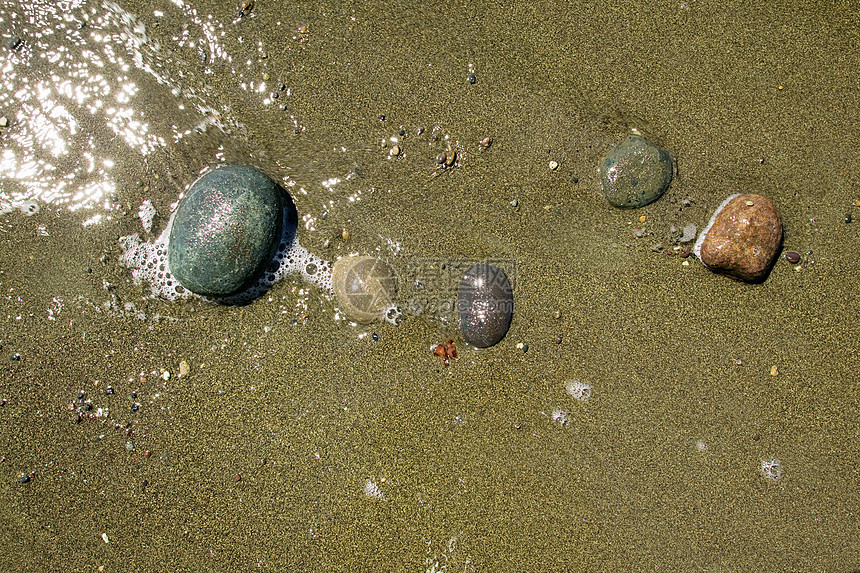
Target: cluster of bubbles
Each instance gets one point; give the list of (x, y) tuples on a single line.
[(371, 489), (580, 391), (772, 469), (148, 262), (28, 208), (560, 417)]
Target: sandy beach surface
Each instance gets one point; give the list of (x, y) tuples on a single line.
[(146, 434)]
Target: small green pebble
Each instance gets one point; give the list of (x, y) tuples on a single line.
[(635, 173)]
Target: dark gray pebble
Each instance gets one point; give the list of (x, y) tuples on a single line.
[(472, 78), (485, 304), (14, 43), (227, 229)]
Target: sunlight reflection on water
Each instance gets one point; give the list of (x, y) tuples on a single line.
[(71, 95)]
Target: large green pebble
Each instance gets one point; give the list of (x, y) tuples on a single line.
[(635, 173), (226, 230)]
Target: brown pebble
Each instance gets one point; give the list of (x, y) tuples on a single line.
[(743, 239), (792, 257), (486, 142)]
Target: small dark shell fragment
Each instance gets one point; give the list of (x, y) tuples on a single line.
[(485, 304)]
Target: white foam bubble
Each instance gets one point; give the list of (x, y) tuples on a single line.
[(28, 208), (392, 314), (147, 213), (371, 489), (772, 469), (148, 264), (579, 390), (560, 417)]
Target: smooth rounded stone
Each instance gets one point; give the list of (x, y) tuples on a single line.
[(227, 230), (364, 286), (485, 304), (743, 238), (635, 172)]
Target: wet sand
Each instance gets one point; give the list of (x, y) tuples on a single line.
[(259, 456)]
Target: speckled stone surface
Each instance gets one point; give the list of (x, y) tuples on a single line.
[(635, 172), (485, 304), (226, 230), (743, 238)]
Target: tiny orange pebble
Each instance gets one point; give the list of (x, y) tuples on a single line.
[(451, 350), (642, 218)]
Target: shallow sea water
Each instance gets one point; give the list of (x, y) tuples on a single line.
[(720, 428)]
